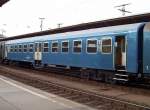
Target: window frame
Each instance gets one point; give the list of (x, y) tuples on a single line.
[(80, 47), (30, 47), (20, 48), (11, 48), (96, 45), (64, 47), (24, 48), (15, 48), (106, 38), (45, 47), (55, 47)]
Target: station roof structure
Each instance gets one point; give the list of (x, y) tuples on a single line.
[(90, 25), (2, 2)]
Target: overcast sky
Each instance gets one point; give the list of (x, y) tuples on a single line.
[(22, 16)]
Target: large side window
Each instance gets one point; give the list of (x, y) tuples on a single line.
[(45, 47), (25, 48), (106, 46), (77, 46), (31, 46), (65, 46), (54, 47), (91, 46)]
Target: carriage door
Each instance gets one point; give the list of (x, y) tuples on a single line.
[(6, 51), (38, 52), (120, 53)]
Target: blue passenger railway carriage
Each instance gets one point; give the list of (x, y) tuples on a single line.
[(107, 53)]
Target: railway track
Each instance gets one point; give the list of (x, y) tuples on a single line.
[(77, 74), (134, 88), (61, 73), (85, 97)]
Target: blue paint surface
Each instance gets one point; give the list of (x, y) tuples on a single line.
[(146, 53), (132, 65)]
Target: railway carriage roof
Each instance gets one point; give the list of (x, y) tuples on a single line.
[(85, 26), (80, 34), (2, 2)]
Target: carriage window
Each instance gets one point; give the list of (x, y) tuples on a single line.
[(11, 48), (65, 46), (77, 46), (25, 48), (45, 47), (15, 48), (31, 47), (20, 48), (92, 46), (54, 47), (106, 46)]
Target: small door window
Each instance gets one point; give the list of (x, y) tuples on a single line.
[(40, 47), (36, 47)]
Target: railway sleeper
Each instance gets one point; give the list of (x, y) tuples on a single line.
[(83, 100), (73, 96), (103, 106), (63, 94), (91, 102), (45, 88), (59, 92), (94, 102), (66, 94), (53, 90)]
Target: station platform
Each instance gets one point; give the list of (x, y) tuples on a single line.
[(17, 96)]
